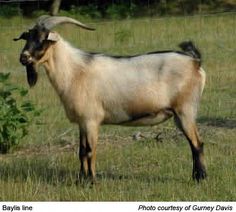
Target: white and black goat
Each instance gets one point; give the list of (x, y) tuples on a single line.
[(97, 89)]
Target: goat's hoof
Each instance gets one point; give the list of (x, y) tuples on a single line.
[(93, 181), (82, 182), (81, 179), (85, 180), (199, 175), (78, 181)]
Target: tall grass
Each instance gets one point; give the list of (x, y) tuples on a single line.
[(45, 165)]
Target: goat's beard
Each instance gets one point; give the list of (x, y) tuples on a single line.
[(32, 75)]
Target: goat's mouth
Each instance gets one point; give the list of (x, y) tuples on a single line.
[(26, 62), (26, 59)]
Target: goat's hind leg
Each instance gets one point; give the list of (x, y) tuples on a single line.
[(188, 125)]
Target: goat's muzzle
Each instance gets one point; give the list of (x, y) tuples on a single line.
[(25, 58)]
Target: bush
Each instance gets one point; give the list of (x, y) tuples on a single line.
[(89, 11), (15, 116), (119, 11), (10, 10)]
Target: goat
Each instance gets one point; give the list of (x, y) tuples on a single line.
[(98, 89)]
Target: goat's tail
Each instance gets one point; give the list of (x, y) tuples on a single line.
[(190, 49)]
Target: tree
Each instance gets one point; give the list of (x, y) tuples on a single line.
[(55, 6)]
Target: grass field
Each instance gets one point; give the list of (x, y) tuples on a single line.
[(45, 165)]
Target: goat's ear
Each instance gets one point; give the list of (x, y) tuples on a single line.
[(23, 36), (52, 36)]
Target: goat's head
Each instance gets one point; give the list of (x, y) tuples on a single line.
[(38, 41)]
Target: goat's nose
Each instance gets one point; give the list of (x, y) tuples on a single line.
[(25, 58)]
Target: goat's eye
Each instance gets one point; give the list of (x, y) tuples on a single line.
[(39, 46)]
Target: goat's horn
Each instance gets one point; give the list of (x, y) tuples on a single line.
[(42, 18), (51, 21)]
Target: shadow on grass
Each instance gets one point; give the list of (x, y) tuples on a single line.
[(41, 170), (36, 170), (139, 177), (218, 122)]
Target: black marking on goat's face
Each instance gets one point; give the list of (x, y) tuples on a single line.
[(36, 45)]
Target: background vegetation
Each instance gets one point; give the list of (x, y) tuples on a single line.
[(45, 164), (15, 116), (116, 9)]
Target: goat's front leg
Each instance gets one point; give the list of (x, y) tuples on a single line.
[(92, 137), (87, 151), (83, 149)]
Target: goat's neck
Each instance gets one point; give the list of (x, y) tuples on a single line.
[(63, 62)]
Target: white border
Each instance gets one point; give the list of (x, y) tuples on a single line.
[(118, 206)]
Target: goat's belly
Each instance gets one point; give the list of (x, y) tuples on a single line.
[(150, 119), (146, 119), (115, 117)]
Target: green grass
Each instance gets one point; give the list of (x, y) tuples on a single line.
[(45, 165)]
